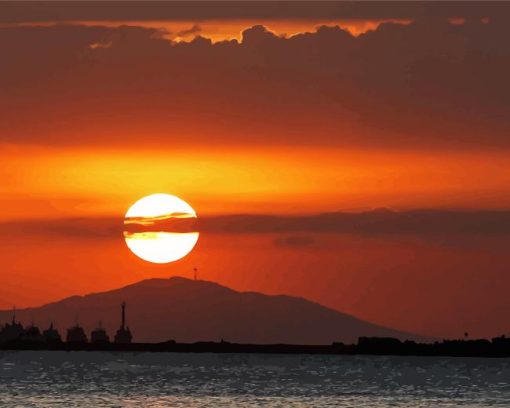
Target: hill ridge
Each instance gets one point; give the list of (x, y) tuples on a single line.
[(182, 309)]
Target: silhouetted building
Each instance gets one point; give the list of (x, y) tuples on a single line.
[(123, 335), (12, 331), (76, 334), (51, 335), (99, 335), (32, 333)]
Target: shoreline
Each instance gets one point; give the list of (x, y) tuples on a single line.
[(380, 347)]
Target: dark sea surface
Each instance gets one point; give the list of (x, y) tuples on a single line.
[(102, 379)]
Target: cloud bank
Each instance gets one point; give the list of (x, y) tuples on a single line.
[(420, 223), (429, 84)]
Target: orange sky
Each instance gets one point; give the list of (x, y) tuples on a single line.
[(363, 275), (62, 182), (370, 277), (287, 119)]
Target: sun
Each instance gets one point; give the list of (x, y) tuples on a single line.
[(152, 227)]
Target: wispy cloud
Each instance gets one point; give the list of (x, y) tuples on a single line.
[(424, 223)]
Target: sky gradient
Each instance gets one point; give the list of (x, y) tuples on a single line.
[(291, 110)]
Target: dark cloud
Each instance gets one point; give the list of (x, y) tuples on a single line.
[(294, 241), (428, 84), (435, 224), (41, 11), (417, 222), (89, 228)]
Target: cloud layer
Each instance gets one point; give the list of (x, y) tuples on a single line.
[(428, 84), (420, 223)]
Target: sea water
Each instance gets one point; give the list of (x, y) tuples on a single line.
[(118, 379)]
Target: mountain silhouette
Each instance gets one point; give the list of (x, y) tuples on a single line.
[(188, 311)]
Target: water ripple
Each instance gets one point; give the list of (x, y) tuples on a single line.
[(103, 379)]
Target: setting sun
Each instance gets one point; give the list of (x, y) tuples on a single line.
[(159, 246)]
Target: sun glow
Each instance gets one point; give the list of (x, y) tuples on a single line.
[(159, 246), (157, 205)]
